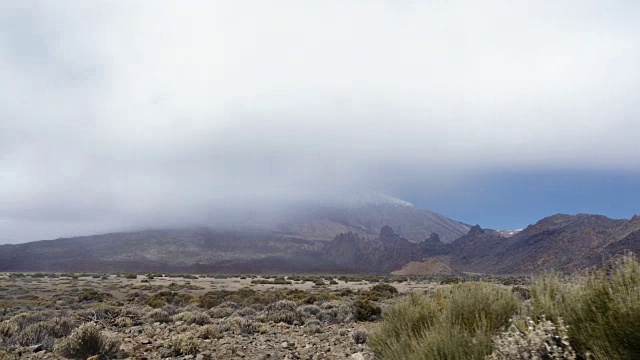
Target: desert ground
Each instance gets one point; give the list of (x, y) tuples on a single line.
[(158, 316)]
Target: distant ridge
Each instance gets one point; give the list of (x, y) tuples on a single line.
[(560, 242)]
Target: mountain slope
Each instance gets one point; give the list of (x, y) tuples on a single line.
[(367, 217), (383, 254), (562, 242), (165, 250)]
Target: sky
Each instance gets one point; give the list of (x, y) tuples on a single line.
[(129, 114)]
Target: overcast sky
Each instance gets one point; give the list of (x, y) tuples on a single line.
[(121, 114)]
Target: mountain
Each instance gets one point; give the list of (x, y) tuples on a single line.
[(366, 215), (562, 242), (304, 242), (208, 250), (175, 250), (383, 254)]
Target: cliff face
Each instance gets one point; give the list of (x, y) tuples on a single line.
[(383, 254)]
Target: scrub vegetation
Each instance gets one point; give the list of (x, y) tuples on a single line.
[(592, 315)]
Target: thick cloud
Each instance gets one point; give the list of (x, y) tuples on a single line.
[(133, 113)]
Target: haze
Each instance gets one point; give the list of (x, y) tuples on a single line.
[(125, 114)]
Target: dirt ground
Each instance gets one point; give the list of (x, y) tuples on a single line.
[(157, 316)]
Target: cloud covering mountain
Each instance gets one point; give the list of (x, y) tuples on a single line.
[(121, 115)]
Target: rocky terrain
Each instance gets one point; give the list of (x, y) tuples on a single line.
[(49, 316), (562, 242)]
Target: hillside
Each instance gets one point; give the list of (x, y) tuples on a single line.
[(167, 250), (431, 266), (383, 254), (367, 216), (562, 242)]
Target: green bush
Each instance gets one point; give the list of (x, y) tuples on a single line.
[(193, 317), (336, 312), (8, 329), (87, 340), (93, 295), (158, 315), (284, 311), (455, 322), (210, 332), (384, 290), (168, 297), (185, 344), (34, 334), (359, 336), (366, 310), (601, 309)]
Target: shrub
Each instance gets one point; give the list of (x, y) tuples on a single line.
[(455, 322), (184, 345), (61, 326), (309, 310), (34, 334), (366, 310), (87, 340), (384, 290), (241, 326), (359, 336), (8, 329), (123, 322), (220, 312), (601, 309), (23, 320), (157, 315), (245, 311), (541, 340), (467, 303), (284, 311), (210, 332), (448, 280), (193, 317), (312, 327), (522, 292), (101, 313), (169, 297), (93, 295), (336, 312)]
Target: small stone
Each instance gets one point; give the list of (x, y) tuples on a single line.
[(357, 356), (36, 348), (126, 347)]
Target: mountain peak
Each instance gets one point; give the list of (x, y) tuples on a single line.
[(365, 199)]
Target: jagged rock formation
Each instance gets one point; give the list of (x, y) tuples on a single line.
[(367, 218), (383, 254), (561, 242)]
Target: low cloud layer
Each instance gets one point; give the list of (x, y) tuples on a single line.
[(122, 114)]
